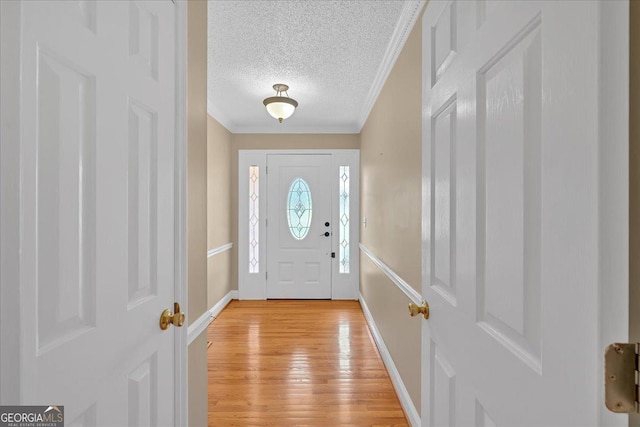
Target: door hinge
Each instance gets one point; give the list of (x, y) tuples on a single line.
[(621, 390), (266, 275), (266, 222)]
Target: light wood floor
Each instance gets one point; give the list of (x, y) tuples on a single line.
[(297, 363)]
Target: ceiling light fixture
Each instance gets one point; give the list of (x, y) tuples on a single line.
[(280, 107)]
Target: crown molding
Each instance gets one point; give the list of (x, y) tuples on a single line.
[(407, 20), (279, 128), (219, 116)]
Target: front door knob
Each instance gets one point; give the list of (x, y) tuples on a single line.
[(176, 319), (423, 309)]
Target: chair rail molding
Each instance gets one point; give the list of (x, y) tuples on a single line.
[(219, 249), (408, 290)]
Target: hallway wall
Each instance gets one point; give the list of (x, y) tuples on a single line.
[(196, 204), (259, 141), (218, 210), (390, 157)]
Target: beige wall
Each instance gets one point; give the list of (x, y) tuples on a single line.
[(251, 141), (390, 162), (196, 203), (197, 158), (218, 209), (634, 183), (198, 378)]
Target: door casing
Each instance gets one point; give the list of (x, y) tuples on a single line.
[(253, 286)]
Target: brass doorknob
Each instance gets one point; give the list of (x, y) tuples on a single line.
[(423, 309), (176, 319)]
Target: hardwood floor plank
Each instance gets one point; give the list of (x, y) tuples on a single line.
[(297, 363)]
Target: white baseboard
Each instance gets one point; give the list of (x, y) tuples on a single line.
[(398, 384), (196, 328)]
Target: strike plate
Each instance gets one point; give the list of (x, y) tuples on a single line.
[(621, 377)]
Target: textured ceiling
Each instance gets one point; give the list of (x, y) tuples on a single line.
[(334, 55)]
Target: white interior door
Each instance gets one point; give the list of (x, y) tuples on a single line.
[(513, 213), (97, 198), (299, 229)]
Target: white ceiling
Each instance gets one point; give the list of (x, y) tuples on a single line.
[(334, 54)]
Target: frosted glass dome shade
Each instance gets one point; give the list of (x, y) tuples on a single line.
[(280, 107)]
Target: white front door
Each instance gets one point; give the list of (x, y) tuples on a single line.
[(97, 201), (299, 229), (514, 206)]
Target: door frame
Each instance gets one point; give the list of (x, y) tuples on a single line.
[(10, 221), (181, 401), (10, 386), (254, 286), (613, 189)]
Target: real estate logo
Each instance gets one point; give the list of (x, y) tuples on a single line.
[(32, 416)]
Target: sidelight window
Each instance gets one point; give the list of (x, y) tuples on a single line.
[(344, 220), (254, 219)]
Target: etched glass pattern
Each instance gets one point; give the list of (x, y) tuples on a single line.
[(299, 208), (254, 219), (344, 220)]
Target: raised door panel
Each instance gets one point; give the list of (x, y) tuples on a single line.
[(142, 202), (143, 394), (509, 186), (483, 419), (443, 167), (66, 105), (443, 389), (144, 38)]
